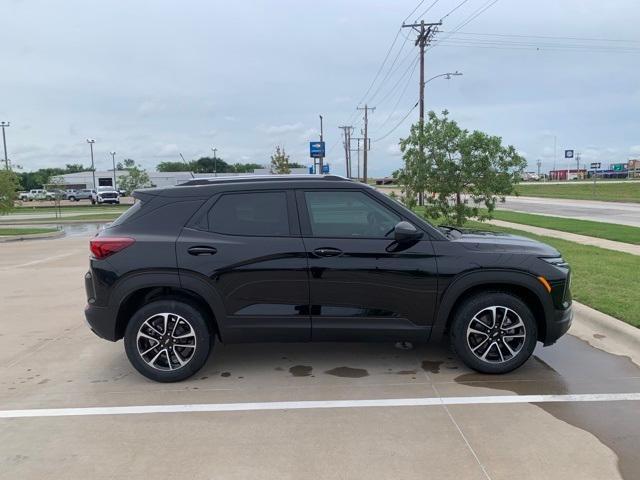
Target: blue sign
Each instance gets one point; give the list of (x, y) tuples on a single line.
[(568, 154), (325, 168), (316, 149)]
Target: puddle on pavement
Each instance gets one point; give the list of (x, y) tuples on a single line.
[(614, 424), (431, 366), (300, 370), (348, 372)]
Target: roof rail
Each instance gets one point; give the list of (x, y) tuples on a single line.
[(259, 178)]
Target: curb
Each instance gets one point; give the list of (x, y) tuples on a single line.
[(606, 332), (34, 236)]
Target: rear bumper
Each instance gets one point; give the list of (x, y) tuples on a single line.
[(101, 321), (558, 325)]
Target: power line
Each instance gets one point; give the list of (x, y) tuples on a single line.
[(549, 37), (427, 10), (454, 9), (398, 124), (395, 107), (411, 65), (475, 14)]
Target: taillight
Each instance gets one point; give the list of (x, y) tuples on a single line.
[(102, 247)]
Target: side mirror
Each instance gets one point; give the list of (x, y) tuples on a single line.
[(406, 232)]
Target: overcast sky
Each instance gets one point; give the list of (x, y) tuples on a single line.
[(153, 79)]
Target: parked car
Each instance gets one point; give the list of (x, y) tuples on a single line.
[(33, 194), (84, 194), (287, 258), (105, 195)]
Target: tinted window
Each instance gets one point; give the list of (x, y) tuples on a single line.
[(250, 214), (348, 214)]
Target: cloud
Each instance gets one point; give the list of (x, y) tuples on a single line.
[(150, 107), (635, 150), (169, 149), (279, 129)]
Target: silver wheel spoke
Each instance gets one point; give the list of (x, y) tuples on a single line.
[(511, 351), (477, 332), (166, 353), (479, 345), (502, 340)]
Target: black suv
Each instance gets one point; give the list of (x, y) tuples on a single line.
[(312, 258)]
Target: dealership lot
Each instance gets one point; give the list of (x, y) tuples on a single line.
[(50, 360)]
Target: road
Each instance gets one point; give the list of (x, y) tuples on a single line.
[(462, 425), (609, 212)]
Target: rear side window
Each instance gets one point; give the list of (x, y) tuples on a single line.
[(130, 212), (260, 214)]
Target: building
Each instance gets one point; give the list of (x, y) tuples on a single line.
[(80, 180), (571, 174)]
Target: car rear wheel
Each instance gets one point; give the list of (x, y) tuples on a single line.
[(167, 340), (494, 332), (71, 198)]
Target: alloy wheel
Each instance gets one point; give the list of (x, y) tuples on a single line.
[(496, 334), (166, 341)]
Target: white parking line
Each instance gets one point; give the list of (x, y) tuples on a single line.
[(304, 405)]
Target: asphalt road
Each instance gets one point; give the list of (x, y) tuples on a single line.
[(609, 212), (346, 416)]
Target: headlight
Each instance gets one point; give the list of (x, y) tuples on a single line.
[(556, 261)]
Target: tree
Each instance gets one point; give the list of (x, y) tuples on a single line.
[(135, 178), (174, 167), (9, 185), (280, 161), (449, 163)]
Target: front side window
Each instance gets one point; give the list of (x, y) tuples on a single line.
[(260, 214), (348, 214)]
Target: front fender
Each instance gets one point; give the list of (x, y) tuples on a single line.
[(492, 278)]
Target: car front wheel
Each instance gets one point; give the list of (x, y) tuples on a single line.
[(494, 332), (167, 340)]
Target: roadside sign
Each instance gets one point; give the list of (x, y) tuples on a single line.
[(325, 168), (595, 165), (568, 154), (618, 167), (316, 149)]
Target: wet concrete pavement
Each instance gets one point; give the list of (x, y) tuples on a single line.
[(50, 360)]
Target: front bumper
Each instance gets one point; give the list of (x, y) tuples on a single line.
[(559, 325)]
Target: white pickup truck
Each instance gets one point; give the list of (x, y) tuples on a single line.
[(35, 194)]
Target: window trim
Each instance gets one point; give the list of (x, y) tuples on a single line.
[(305, 221), (292, 225)]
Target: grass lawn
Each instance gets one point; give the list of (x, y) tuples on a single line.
[(603, 279), (610, 192), (24, 231), (610, 231)]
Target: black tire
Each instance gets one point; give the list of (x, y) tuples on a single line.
[(72, 198), (501, 340), (152, 312)]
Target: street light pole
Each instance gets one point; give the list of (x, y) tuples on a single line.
[(91, 141), (4, 142), (321, 159), (215, 162), (113, 159)]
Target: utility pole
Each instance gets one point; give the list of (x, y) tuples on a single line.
[(539, 163), (113, 160), (578, 164), (321, 159), (215, 161), (366, 109), (425, 31), (91, 141), (4, 142), (347, 129)]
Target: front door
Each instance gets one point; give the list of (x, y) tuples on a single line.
[(250, 251), (364, 286)]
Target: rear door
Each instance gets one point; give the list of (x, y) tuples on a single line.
[(249, 249), (363, 284)]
